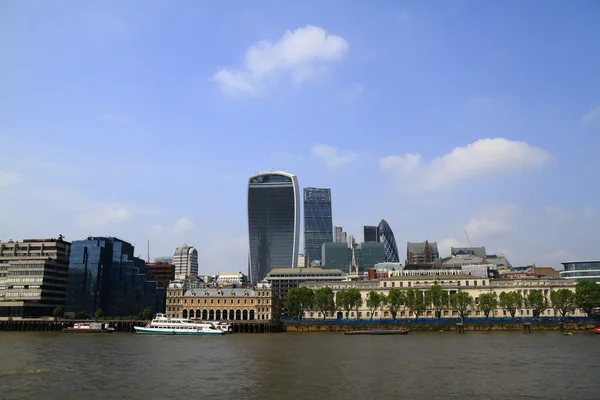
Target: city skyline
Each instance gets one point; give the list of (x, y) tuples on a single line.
[(439, 118)]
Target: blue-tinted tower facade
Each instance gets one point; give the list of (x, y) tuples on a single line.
[(104, 274), (318, 222), (386, 236), (273, 223)]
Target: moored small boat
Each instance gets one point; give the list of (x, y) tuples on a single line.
[(91, 327), (379, 332)]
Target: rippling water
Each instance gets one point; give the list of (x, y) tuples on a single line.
[(446, 365)]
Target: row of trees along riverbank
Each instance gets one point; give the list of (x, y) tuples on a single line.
[(302, 299)]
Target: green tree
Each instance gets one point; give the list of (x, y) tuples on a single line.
[(58, 312), (99, 313), (81, 315), (355, 299), (395, 299), (298, 301), (324, 301), (511, 301), (538, 303), (461, 302), (488, 302), (438, 298), (587, 296), (563, 300), (415, 302), (374, 300), (146, 314)]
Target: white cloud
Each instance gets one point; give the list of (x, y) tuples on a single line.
[(496, 220), (592, 115), (482, 158), (103, 216), (444, 246), (9, 178), (300, 54), (331, 156)]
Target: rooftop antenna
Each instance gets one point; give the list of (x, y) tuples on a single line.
[(148, 251), (468, 239)]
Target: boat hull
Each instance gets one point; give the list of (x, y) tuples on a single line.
[(71, 330), (153, 331), (379, 332), (597, 331)]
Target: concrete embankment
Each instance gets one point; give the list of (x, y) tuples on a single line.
[(51, 325), (453, 327)]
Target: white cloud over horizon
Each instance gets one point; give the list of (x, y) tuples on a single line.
[(481, 158), (591, 116), (9, 178), (299, 54), (332, 156)]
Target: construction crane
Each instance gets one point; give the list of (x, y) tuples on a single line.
[(468, 239)]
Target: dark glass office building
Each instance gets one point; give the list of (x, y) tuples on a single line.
[(318, 223), (104, 274), (273, 223), (370, 234), (386, 236)]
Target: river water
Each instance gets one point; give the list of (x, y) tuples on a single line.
[(443, 365)]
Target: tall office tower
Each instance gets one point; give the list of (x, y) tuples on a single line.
[(104, 274), (351, 241), (338, 234), (386, 236), (33, 276), (318, 223), (370, 234), (273, 223), (185, 259)]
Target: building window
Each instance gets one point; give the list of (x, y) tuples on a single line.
[(384, 284)]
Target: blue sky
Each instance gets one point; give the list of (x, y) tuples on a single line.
[(144, 120)]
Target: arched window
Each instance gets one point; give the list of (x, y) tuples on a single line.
[(238, 314), (231, 315), (185, 313), (204, 314), (245, 315), (218, 315), (211, 315), (251, 315)]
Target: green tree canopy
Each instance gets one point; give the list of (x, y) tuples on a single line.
[(488, 303), (587, 296), (324, 301), (415, 302), (348, 300), (563, 300), (298, 301), (461, 302), (511, 301), (355, 299), (99, 313), (536, 300), (58, 312), (438, 298), (395, 299), (374, 300), (81, 315), (146, 314)]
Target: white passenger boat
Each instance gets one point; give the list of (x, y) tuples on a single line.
[(161, 324), (224, 326)]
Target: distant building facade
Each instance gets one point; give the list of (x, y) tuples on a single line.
[(185, 259), (231, 278), (336, 256), (340, 235), (282, 280), (168, 260), (273, 222), (421, 253), (163, 272), (451, 283), (104, 274), (367, 255), (386, 236), (581, 270), (318, 222), (33, 276), (369, 234), (223, 304)]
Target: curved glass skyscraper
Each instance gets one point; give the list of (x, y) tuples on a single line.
[(386, 236), (318, 223), (273, 223)]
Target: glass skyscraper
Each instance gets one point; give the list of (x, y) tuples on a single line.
[(104, 274), (318, 223), (273, 223), (386, 236)]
